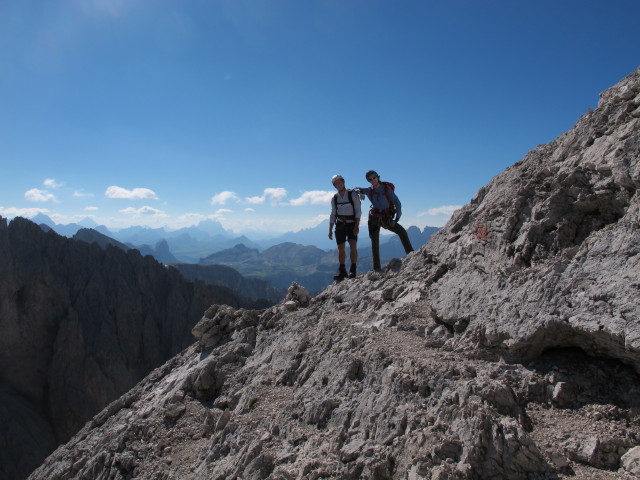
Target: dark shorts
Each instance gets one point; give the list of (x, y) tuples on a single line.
[(344, 231)]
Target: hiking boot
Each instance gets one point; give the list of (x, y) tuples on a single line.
[(352, 271), (341, 275)]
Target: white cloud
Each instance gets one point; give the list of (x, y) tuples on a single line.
[(62, 219), (318, 219), (135, 194), (255, 200), (272, 225), (223, 197), (249, 210), (91, 208), (313, 197), (144, 211), (446, 210), (21, 212), (191, 218), (274, 195), (220, 211), (51, 183), (37, 195), (81, 193)]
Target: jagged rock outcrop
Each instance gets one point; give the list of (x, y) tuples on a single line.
[(507, 347), (260, 292), (160, 252), (90, 235), (80, 325)]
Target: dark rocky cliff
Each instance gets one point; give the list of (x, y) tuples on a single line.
[(508, 347), (90, 235), (80, 325)]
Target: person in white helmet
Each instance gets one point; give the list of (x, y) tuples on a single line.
[(345, 215)]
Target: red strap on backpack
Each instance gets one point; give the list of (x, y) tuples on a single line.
[(387, 185)]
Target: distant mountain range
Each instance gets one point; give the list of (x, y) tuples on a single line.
[(281, 264), (306, 264), (186, 245), (223, 275), (295, 256), (261, 292), (191, 244)]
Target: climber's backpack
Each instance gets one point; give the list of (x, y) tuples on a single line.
[(387, 186), (344, 218)]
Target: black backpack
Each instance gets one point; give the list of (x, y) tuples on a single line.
[(344, 218)]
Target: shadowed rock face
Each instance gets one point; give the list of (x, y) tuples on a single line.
[(547, 253), (80, 326), (507, 347)]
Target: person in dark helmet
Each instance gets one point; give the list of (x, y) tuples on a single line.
[(345, 215), (385, 212)]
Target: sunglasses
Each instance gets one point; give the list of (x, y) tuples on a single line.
[(370, 179)]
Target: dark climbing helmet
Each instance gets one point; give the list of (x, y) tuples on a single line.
[(370, 174)]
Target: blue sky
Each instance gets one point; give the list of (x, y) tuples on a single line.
[(165, 113)]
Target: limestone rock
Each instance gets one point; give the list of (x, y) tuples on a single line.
[(297, 296), (631, 461)]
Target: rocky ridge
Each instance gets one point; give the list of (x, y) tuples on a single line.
[(80, 325), (261, 292), (507, 347)]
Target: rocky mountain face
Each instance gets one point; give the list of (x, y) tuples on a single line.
[(160, 251), (257, 293), (80, 324), (89, 235), (507, 347)]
